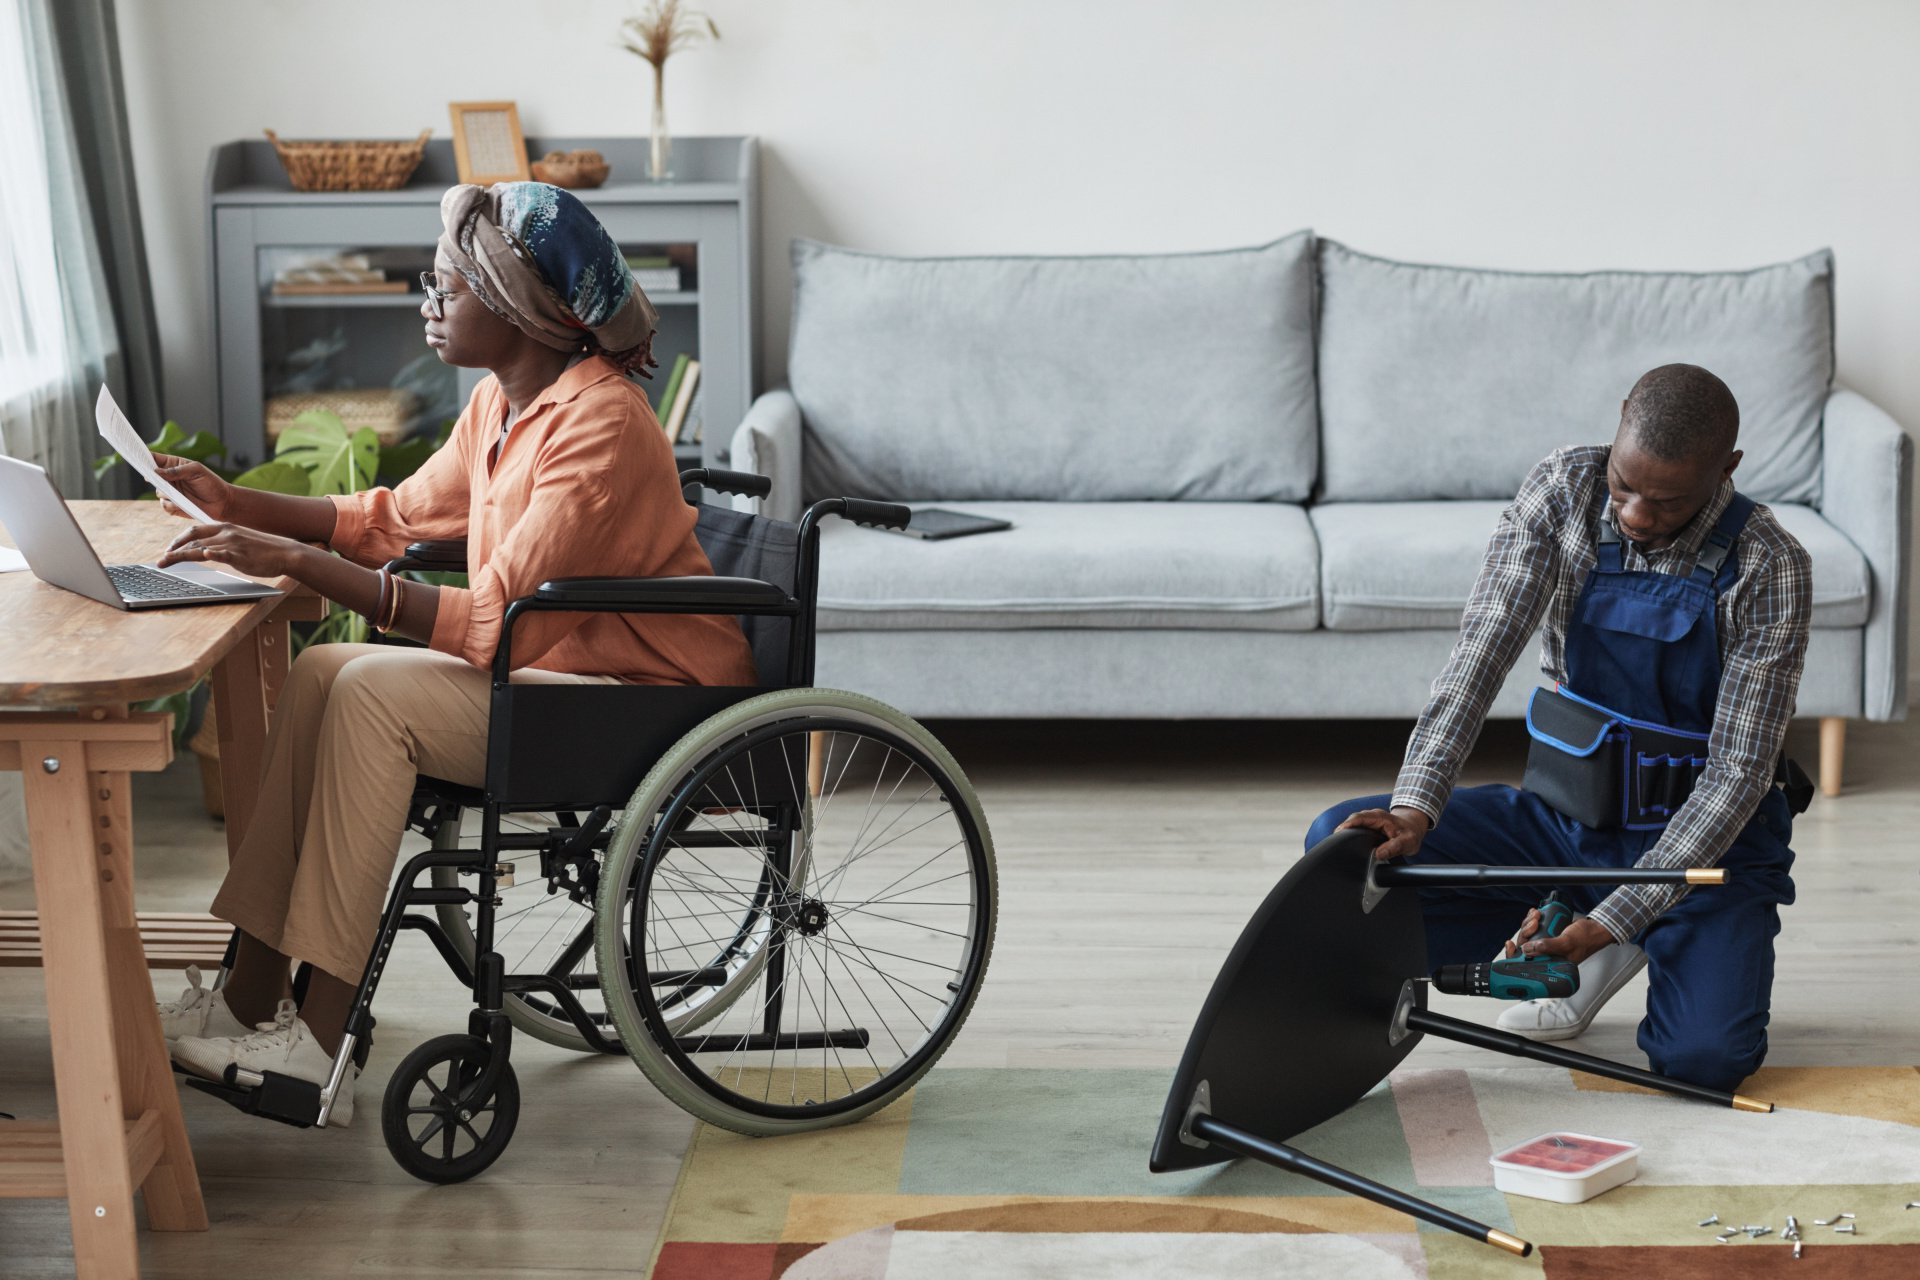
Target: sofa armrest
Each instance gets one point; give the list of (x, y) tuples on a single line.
[(767, 442), (1867, 493)]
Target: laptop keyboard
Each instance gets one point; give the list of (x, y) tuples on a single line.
[(144, 582)]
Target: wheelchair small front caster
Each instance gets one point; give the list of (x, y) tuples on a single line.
[(435, 1126)]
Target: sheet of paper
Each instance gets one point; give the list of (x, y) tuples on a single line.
[(11, 561), (118, 432)]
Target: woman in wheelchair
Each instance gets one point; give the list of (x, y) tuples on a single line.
[(557, 468), (650, 836)]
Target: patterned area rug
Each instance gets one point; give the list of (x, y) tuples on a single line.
[(1043, 1173)]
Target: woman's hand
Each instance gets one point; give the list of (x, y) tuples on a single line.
[(195, 482), (263, 555), (1404, 829)]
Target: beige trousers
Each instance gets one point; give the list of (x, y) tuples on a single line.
[(354, 724)]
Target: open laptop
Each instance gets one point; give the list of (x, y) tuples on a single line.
[(58, 552)]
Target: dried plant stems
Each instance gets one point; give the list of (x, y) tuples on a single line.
[(664, 29)]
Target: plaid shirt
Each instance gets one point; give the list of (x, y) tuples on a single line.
[(1537, 564)]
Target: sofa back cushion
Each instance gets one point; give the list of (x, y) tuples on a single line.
[(1442, 382), (1082, 379)]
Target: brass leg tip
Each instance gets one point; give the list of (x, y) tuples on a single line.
[(1742, 1103), (1512, 1244)]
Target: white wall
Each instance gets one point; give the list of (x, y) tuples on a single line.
[(1513, 133)]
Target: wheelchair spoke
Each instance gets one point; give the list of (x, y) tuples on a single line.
[(840, 872), (881, 894)]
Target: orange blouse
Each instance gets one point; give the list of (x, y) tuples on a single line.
[(585, 486)]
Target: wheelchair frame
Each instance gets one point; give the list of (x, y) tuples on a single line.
[(549, 773)]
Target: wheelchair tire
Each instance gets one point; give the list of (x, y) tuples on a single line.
[(427, 1114), (654, 865)]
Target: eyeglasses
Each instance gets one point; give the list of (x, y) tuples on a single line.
[(436, 296)]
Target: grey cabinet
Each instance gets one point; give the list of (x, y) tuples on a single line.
[(705, 220)]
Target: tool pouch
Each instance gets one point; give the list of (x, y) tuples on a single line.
[(1606, 771)]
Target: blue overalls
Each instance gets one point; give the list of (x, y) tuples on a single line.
[(1644, 645)]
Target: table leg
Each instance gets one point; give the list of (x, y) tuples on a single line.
[(240, 704), (275, 656), (80, 1011), (172, 1187)]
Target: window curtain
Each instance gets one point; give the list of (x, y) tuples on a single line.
[(76, 308)]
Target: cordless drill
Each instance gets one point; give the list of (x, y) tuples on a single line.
[(1518, 977)]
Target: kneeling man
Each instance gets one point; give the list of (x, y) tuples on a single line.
[(1676, 614)]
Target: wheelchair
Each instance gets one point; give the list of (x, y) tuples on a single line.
[(779, 901)]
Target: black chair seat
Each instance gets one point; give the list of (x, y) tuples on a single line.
[(452, 792)]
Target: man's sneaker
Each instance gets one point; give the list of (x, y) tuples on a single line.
[(1601, 974), (284, 1046), (200, 1011)]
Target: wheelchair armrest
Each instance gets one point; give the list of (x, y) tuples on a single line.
[(677, 594), (442, 553), (742, 482)]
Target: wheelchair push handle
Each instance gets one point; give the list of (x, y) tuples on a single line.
[(740, 482), (882, 515)]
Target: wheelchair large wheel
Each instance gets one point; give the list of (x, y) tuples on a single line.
[(839, 839), (534, 931)]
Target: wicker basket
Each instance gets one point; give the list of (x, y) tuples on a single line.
[(349, 166), (576, 169), (387, 411)]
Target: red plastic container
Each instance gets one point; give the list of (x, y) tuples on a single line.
[(1565, 1167)]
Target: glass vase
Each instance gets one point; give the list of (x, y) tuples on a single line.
[(660, 142)]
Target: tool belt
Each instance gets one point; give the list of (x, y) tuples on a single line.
[(1605, 770)]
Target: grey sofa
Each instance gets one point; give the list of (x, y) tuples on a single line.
[(1259, 483)]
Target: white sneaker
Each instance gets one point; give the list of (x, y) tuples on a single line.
[(200, 1011), (284, 1045), (1601, 975)]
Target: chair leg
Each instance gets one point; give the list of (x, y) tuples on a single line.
[(816, 762), (1833, 753)]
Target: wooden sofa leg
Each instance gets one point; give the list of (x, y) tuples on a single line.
[(1833, 753)]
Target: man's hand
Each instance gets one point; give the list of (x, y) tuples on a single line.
[(1576, 942), (195, 482), (263, 555), (1404, 829)]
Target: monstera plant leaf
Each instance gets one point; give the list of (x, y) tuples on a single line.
[(276, 477), (335, 462), (201, 446)]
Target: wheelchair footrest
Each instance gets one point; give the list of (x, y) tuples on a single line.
[(276, 1097)]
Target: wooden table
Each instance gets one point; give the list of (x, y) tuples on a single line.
[(69, 667)]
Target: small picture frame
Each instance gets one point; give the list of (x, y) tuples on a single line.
[(487, 146)]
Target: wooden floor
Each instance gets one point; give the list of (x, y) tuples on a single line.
[(1129, 857)]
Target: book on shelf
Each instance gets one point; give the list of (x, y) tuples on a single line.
[(658, 280), (683, 398), (664, 404), (690, 430), (654, 274)]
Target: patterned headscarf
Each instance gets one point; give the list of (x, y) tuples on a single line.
[(538, 257)]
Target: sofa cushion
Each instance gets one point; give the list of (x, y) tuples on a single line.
[(1073, 379), (1215, 565), (1442, 382), (1385, 566)]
